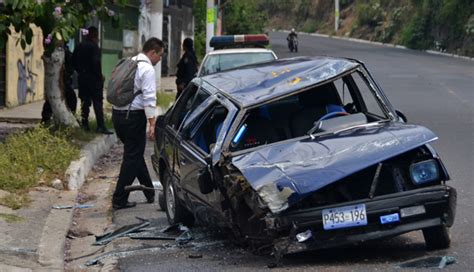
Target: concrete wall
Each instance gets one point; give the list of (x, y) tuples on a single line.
[(181, 25), (24, 70)]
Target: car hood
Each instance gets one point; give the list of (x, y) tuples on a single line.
[(286, 172)]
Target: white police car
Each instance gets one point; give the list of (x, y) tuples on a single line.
[(232, 51)]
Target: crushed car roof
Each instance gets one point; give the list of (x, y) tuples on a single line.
[(256, 83)]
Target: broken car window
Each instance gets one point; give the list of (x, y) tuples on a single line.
[(191, 98), (296, 115), (206, 129), (371, 103)]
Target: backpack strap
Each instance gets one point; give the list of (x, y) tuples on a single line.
[(136, 93)]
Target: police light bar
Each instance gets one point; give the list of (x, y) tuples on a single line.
[(233, 41)]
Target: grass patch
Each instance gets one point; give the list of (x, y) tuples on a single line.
[(164, 99), (78, 136), (15, 201), (38, 153), (10, 218)]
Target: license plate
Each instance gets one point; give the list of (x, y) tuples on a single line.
[(344, 217)]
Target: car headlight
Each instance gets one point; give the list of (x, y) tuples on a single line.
[(424, 172)]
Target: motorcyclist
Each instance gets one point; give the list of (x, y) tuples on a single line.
[(292, 36)]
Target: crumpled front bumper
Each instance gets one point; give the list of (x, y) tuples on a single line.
[(440, 208)]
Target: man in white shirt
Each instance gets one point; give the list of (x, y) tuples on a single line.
[(130, 124)]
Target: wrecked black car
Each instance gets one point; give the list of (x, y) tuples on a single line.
[(300, 154)]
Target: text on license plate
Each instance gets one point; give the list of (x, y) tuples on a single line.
[(344, 217)]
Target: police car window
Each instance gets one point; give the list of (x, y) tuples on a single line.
[(370, 101), (205, 130), (223, 62), (191, 98)]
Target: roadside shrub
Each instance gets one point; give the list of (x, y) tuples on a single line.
[(35, 154), (369, 14), (164, 99), (310, 26)]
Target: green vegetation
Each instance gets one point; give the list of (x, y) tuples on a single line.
[(239, 17), (243, 17), (199, 11), (444, 25), (440, 24), (14, 201), (34, 155), (164, 99), (10, 218)]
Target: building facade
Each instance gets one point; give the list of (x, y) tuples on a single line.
[(22, 71)]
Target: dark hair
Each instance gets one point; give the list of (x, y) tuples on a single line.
[(93, 32), (188, 44), (153, 44)]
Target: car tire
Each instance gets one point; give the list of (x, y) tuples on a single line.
[(162, 201), (175, 211), (437, 237)]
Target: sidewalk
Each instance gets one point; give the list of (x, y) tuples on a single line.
[(33, 237), (31, 112)]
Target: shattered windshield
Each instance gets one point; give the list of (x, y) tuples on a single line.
[(339, 105)]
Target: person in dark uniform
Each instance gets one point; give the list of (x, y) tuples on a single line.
[(70, 95), (187, 66), (86, 59)]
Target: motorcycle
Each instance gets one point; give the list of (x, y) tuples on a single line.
[(293, 44)]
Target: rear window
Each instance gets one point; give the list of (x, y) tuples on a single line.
[(218, 63)]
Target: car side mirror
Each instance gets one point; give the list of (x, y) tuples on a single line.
[(401, 116), (205, 182)]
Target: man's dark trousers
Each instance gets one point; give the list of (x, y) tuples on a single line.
[(96, 100), (132, 132)]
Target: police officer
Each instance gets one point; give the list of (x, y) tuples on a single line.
[(86, 59), (187, 66)]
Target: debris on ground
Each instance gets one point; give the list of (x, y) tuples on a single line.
[(124, 253), (185, 236), (57, 184), (77, 206), (429, 262), (120, 232), (140, 187), (181, 234)]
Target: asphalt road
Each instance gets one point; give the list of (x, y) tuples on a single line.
[(431, 90)]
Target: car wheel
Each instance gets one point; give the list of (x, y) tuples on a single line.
[(437, 237), (162, 201), (175, 212)]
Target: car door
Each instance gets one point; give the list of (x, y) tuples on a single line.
[(202, 137), (191, 98)]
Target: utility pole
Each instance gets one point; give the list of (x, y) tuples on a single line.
[(336, 16), (210, 18), (219, 18), (156, 29)]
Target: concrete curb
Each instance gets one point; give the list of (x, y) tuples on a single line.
[(78, 170), (433, 52), (53, 237)]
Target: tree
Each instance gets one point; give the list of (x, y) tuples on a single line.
[(59, 20), (243, 17)]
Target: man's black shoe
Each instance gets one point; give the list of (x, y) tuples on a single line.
[(104, 131), (125, 206)]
